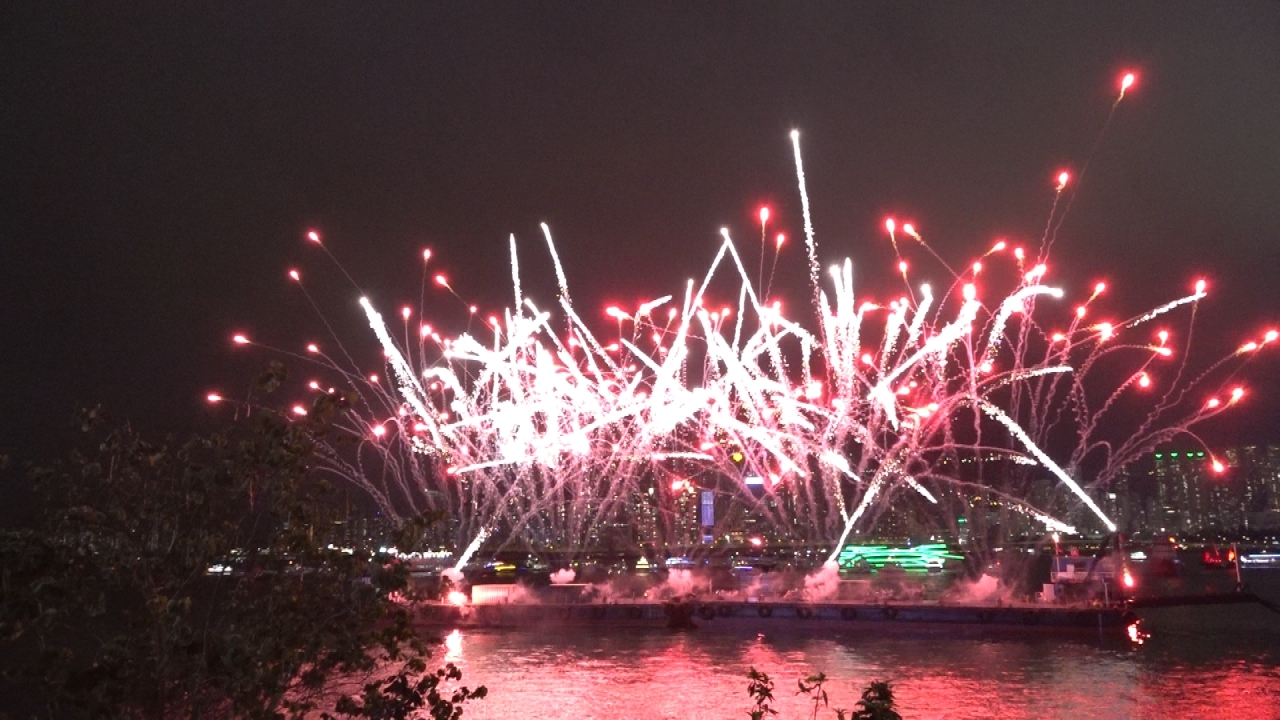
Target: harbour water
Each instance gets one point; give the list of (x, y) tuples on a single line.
[(1196, 662)]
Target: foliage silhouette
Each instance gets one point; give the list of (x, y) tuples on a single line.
[(877, 701), (110, 608)]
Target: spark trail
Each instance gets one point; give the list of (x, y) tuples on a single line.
[(544, 433)]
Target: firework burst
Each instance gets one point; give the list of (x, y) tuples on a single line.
[(541, 432)]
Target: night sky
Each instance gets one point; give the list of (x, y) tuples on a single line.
[(160, 165)]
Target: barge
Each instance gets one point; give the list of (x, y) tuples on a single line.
[(761, 616)]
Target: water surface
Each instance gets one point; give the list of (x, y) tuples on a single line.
[(1219, 662)]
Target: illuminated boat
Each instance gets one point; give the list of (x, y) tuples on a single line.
[(1260, 560), (931, 557)]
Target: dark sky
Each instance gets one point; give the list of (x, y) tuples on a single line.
[(159, 165)]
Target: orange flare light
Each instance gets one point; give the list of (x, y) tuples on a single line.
[(240, 340), (213, 397), (294, 274), (313, 236)]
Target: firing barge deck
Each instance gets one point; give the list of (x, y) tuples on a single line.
[(742, 615)]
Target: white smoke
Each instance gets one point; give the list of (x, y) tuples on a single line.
[(986, 589), (563, 577), (679, 582), (823, 584)]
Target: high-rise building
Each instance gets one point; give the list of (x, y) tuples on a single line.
[(1257, 469), (1182, 491)]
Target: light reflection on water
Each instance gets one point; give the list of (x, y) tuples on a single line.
[(1203, 662)]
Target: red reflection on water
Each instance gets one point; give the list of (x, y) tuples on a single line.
[(1135, 633), (585, 673), (453, 646)]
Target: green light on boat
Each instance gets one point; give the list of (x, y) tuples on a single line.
[(920, 557)]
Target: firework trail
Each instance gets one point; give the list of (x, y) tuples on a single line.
[(953, 406)]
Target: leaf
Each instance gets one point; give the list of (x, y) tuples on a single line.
[(271, 377)]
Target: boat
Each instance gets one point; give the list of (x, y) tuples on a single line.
[(762, 615), (1260, 560)]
